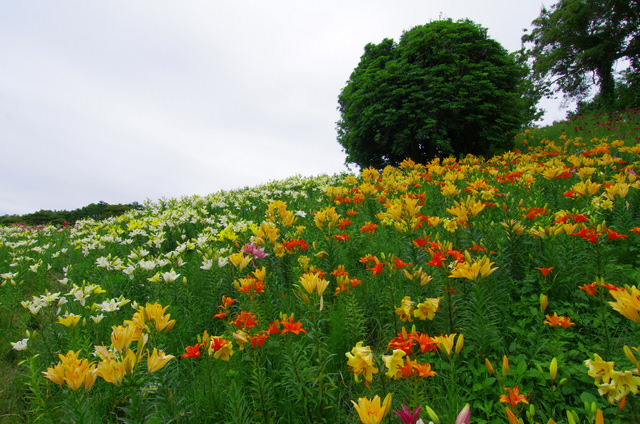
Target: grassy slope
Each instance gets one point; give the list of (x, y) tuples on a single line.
[(612, 127)]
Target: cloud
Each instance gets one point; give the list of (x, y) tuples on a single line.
[(124, 101)]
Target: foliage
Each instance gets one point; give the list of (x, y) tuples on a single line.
[(627, 96), (576, 42), (423, 288), (100, 210), (444, 88)]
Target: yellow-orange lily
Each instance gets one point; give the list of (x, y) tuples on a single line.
[(471, 269), (371, 411)]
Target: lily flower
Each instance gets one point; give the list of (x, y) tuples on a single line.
[(370, 411), (513, 397), (157, 360), (20, 345), (394, 362), (407, 416), (361, 363), (74, 372), (555, 320)]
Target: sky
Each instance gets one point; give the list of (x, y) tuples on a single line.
[(131, 100)]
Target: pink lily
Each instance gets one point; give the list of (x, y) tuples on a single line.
[(256, 251), (464, 415), (407, 416)]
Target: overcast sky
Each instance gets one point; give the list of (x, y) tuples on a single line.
[(128, 100)]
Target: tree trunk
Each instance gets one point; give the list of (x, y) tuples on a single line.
[(607, 84)]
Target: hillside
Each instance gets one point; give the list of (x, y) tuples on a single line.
[(508, 284)]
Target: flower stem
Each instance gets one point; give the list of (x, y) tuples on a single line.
[(301, 384)]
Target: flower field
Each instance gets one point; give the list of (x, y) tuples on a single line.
[(483, 291)]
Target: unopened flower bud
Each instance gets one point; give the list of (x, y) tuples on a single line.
[(599, 417), (489, 366), (432, 414), (622, 403), (553, 369), (511, 416), (630, 356), (505, 365), (459, 344), (531, 413), (544, 302), (464, 415)]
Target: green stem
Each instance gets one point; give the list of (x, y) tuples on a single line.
[(452, 387), (318, 348), (393, 304), (450, 310), (353, 314), (257, 369), (604, 321), (134, 396), (211, 385), (551, 390), (598, 273), (299, 379), (414, 387)]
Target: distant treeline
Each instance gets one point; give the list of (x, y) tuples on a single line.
[(97, 211)]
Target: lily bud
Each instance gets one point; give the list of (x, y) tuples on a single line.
[(622, 403), (544, 302), (489, 366), (386, 404), (511, 416), (531, 413), (505, 365), (599, 417), (630, 356), (553, 369), (432, 415), (459, 344), (464, 415)]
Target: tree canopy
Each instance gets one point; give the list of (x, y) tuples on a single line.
[(575, 45), (444, 88)]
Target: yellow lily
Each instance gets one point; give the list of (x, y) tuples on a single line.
[(370, 411), (471, 269), (157, 360)]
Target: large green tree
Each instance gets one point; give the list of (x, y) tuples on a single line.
[(444, 88), (575, 45)]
